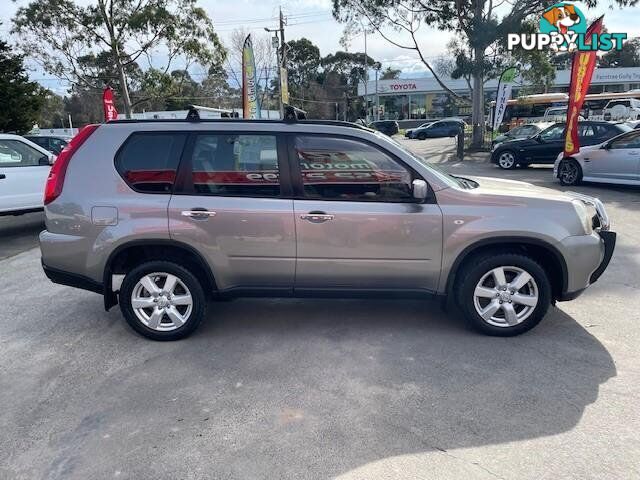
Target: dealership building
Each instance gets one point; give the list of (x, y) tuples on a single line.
[(411, 99)]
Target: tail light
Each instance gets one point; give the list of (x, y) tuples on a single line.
[(55, 180)]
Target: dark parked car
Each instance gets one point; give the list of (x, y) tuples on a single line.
[(545, 146), (441, 128), (388, 127), (523, 131), (52, 143)]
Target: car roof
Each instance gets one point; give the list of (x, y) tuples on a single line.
[(39, 135)]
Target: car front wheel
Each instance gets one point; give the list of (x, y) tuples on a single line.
[(422, 136), (162, 300), (507, 160), (503, 294), (569, 172)]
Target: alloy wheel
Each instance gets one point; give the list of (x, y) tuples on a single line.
[(506, 296), (506, 160), (568, 172), (161, 301)]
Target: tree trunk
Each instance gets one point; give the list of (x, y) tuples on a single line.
[(477, 110), (124, 88)]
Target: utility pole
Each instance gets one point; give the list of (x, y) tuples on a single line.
[(378, 66), (366, 75), (281, 55)]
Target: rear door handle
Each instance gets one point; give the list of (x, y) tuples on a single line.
[(198, 213), (316, 217)]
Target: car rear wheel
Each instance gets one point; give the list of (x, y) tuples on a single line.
[(503, 294), (162, 300), (507, 160), (569, 172)]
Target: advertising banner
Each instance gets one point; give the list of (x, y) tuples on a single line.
[(504, 94), (250, 105), (582, 68), (110, 111), (284, 85)]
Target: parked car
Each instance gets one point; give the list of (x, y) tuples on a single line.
[(622, 109), (161, 216), (409, 132), (523, 131), (388, 127), (614, 161), (24, 167), (51, 143), (545, 146), (441, 128)]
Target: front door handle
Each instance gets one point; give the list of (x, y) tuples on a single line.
[(316, 217), (198, 213)]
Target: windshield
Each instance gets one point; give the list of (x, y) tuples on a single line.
[(450, 180)]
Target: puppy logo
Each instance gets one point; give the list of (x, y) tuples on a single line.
[(566, 20)]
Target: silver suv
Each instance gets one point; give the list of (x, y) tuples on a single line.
[(162, 216)]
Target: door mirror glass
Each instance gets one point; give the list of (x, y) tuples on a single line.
[(420, 189), (44, 160)]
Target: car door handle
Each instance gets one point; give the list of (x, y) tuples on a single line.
[(198, 213), (316, 217)]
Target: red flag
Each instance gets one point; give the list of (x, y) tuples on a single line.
[(110, 112), (584, 62)]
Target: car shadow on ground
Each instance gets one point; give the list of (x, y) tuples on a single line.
[(292, 388)]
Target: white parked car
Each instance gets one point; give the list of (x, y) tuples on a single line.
[(622, 109), (615, 161), (24, 167)]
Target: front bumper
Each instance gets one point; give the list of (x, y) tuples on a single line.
[(609, 240)]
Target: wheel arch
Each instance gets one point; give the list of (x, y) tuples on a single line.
[(133, 253), (546, 254)]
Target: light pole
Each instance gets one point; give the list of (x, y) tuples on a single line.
[(366, 74), (377, 67)]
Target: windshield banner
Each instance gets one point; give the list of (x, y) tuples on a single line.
[(582, 66), (250, 106)]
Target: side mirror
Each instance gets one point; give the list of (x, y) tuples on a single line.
[(44, 160), (420, 189), (606, 146)]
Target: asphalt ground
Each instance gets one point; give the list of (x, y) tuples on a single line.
[(306, 389)]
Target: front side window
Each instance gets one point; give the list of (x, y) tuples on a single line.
[(14, 153), (235, 165), (553, 133), (630, 140), (343, 169), (148, 161)]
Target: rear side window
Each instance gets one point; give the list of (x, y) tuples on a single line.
[(148, 162)]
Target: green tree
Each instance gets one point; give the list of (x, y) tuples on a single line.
[(390, 74), (20, 99), (629, 56), (69, 39), (52, 114), (303, 63)]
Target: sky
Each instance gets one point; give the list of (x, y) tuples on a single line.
[(312, 19)]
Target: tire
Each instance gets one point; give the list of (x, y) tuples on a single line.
[(507, 160), (478, 290), (422, 136), (569, 172), (162, 319)]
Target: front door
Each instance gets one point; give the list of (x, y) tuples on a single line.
[(619, 162), (229, 204), (358, 225), (22, 176), (548, 145)]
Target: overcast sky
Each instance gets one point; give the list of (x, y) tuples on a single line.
[(313, 19)]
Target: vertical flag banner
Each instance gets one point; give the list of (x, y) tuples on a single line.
[(250, 105), (582, 66), (110, 111), (504, 94)]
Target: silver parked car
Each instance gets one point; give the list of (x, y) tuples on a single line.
[(161, 216), (614, 161)]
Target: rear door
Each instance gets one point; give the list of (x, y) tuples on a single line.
[(358, 225), (22, 177), (232, 203)]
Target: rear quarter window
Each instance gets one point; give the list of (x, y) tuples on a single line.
[(148, 161)]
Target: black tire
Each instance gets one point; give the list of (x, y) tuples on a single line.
[(422, 136), (198, 305), (569, 172), (477, 268), (507, 159)]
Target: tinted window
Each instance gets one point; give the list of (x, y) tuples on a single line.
[(148, 162), (14, 153), (57, 144), (42, 141), (553, 133), (630, 140), (343, 169), (235, 165), (585, 130)]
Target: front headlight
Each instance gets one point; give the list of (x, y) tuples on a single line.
[(583, 215)]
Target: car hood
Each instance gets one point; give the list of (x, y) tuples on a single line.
[(519, 142), (516, 188)]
